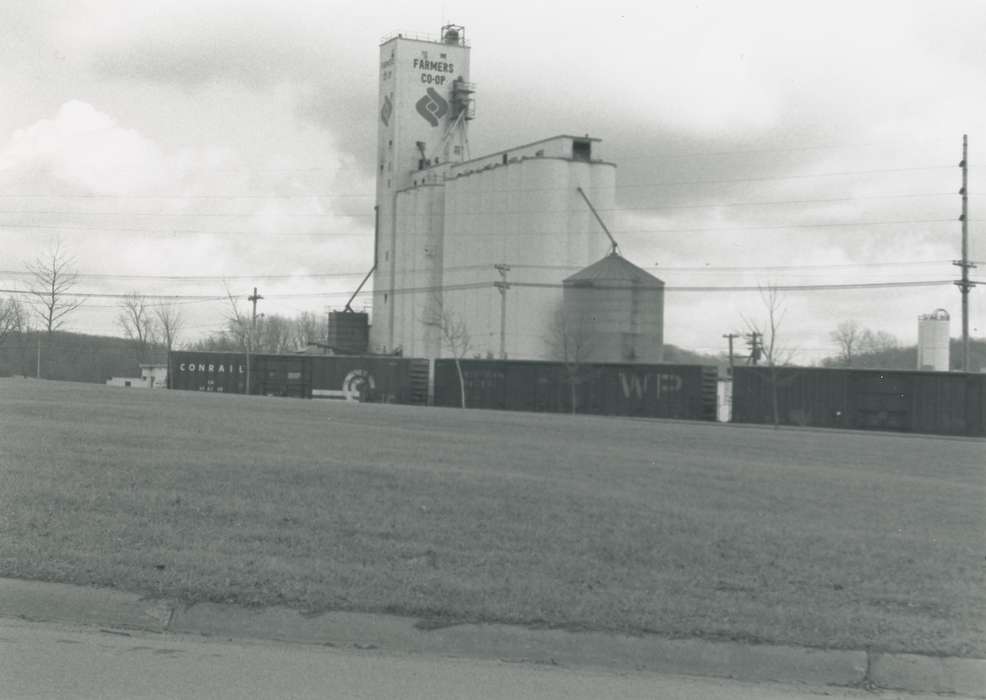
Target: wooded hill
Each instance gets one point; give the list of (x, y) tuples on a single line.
[(72, 357), (906, 357)]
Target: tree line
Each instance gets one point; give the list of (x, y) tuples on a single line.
[(32, 341), (152, 329)]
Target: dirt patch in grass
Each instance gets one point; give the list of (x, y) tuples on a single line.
[(681, 529)]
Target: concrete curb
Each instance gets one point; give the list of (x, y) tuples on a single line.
[(37, 600), (930, 674), (547, 646), (41, 601)]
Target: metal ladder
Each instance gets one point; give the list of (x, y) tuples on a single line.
[(418, 376)]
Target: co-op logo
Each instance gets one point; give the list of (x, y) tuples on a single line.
[(432, 107), (386, 111), (358, 383)]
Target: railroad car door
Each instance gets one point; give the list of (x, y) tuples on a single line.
[(881, 402)]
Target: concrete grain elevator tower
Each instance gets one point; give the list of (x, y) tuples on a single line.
[(425, 104)]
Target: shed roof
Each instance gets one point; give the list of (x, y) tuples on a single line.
[(613, 268)]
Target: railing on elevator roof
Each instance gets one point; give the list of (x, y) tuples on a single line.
[(451, 35)]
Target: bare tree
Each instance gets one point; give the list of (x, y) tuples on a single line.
[(13, 319), (238, 325), (137, 321), (307, 329), (240, 328), (773, 352), (571, 344), (170, 323), (848, 336), (52, 278), (872, 349), (879, 341), (455, 338), (273, 334)]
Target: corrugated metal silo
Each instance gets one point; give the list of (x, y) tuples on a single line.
[(613, 311)]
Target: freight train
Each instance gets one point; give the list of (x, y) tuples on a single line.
[(660, 391), (948, 403)]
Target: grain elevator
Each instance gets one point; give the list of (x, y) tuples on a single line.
[(487, 240)]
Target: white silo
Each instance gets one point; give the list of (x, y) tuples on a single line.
[(418, 273), (521, 207), (933, 341)]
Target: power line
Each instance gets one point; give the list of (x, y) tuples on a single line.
[(543, 285), (193, 298), (312, 195), (826, 266), (50, 212), (787, 226), (352, 234), (525, 266), (657, 156), (107, 295), (704, 205), (789, 149), (669, 183), (193, 278), (778, 287)]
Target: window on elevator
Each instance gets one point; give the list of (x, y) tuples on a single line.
[(581, 149)]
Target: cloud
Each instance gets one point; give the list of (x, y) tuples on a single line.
[(707, 110), (121, 202), (82, 148)]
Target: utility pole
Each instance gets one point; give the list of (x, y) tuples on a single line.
[(253, 298), (503, 286), (964, 284), (38, 368), (730, 336), (753, 341)]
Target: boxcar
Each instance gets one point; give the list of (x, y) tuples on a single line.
[(364, 377), (947, 403), (658, 391)]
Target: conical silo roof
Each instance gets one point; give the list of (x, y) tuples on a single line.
[(613, 268)]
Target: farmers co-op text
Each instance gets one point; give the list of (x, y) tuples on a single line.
[(440, 67)]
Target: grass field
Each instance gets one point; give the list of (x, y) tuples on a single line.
[(826, 539)]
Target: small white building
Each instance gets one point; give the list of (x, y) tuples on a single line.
[(152, 376), (156, 373)]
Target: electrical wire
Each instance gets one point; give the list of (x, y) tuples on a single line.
[(195, 278), (671, 183), (705, 205), (161, 233), (527, 266), (747, 288), (542, 285)]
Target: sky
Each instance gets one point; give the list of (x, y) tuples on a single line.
[(189, 148)]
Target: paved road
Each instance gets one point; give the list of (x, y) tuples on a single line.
[(47, 660)]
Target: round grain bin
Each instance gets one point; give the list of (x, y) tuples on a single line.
[(612, 311)]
